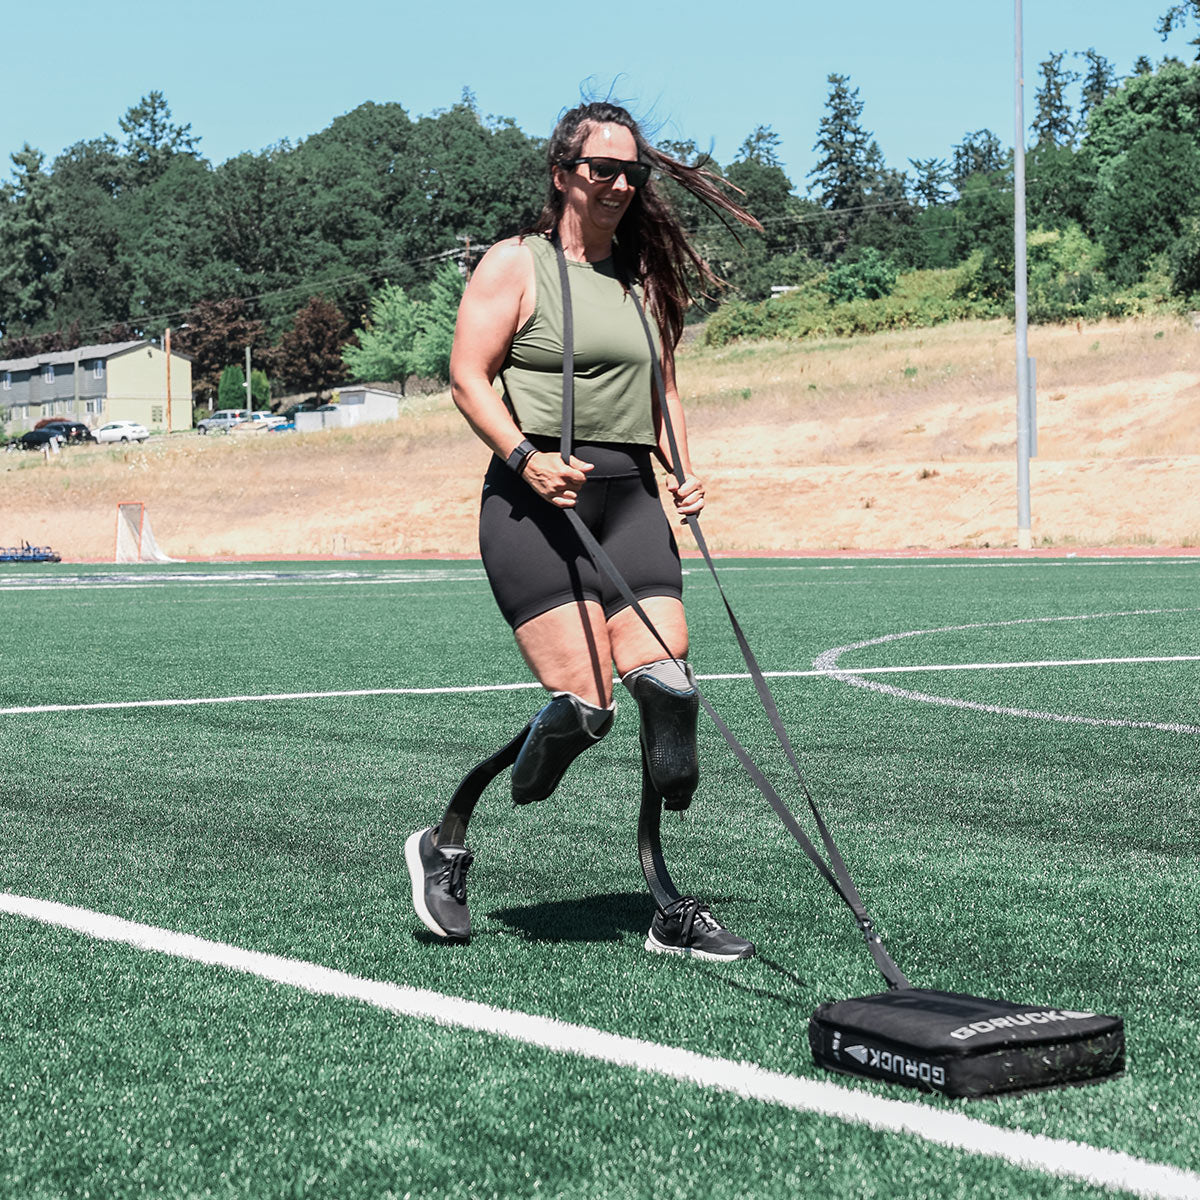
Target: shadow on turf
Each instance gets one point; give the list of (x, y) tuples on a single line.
[(604, 918)]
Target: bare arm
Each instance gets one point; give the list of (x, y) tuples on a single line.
[(497, 301), (688, 493)]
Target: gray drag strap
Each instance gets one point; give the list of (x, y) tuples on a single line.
[(834, 872)]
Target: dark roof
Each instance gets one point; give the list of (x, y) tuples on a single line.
[(55, 357)]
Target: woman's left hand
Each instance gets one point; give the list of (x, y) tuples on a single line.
[(688, 495)]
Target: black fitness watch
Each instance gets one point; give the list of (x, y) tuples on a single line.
[(519, 458)]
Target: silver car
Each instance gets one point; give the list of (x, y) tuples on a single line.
[(222, 420)]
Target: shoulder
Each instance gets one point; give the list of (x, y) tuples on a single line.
[(507, 264)]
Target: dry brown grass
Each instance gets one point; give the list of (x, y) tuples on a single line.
[(878, 442)]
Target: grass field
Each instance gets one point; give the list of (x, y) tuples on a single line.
[(1023, 831)]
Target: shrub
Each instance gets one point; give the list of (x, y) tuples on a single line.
[(919, 299), (870, 277)]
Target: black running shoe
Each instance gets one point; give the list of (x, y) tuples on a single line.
[(688, 927), (439, 884)]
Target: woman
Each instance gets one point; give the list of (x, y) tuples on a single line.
[(604, 227)]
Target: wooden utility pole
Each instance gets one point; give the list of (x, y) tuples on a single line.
[(167, 349), (249, 393)]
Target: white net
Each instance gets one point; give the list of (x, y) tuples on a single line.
[(135, 538)]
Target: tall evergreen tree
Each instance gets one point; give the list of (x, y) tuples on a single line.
[(1099, 82), (152, 139), (932, 184), (29, 258), (843, 171), (761, 146), (93, 285), (1053, 124), (979, 153), (1177, 17)]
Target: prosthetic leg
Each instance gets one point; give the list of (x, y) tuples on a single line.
[(668, 704), (438, 857)]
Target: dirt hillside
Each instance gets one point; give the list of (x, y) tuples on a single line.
[(877, 443)]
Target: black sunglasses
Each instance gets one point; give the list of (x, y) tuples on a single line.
[(604, 169)]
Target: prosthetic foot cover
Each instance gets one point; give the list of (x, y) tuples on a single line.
[(666, 695), (558, 735)]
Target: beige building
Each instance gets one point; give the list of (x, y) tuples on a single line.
[(116, 381)]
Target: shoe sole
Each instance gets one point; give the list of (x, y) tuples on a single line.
[(416, 872), (657, 947)]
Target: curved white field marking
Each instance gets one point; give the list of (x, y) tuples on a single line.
[(1034, 1152), (827, 663)]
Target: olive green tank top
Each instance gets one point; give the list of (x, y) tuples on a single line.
[(613, 373)]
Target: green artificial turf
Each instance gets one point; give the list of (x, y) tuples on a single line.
[(1040, 860)]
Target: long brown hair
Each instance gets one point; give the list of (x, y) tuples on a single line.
[(650, 244)]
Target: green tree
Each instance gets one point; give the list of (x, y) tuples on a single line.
[(29, 257), (231, 391), (93, 286), (386, 350), (1053, 124), (1099, 82), (435, 323), (761, 146), (260, 388), (979, 153), (1060, 182), (844, 171), (1164, 101), (1177, 17), (152, 139), (1144, 199), (869, 277), (166, 244), (932, 184)]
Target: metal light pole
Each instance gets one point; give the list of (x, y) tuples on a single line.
[(1024, 400), (249, 393)]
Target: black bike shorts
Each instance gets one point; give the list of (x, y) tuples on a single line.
[(534, 558)]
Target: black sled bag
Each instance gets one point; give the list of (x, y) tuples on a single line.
[(964, 1046)]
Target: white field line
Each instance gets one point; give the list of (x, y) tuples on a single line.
[(1073, 1160), (827, 663), (840, 673), (471, 574), (100, 583)]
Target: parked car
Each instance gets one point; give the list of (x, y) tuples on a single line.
[(122, 431), (284, 427), (36, 439), (223, 420), (259, 421), (70, 431)]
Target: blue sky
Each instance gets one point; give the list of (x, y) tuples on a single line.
[(245, 75)]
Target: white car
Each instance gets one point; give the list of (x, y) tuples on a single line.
[(122, 431), (258, 422)]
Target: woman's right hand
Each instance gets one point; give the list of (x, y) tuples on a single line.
[(555, 480)]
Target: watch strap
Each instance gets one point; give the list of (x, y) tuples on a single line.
[(518, 459)]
